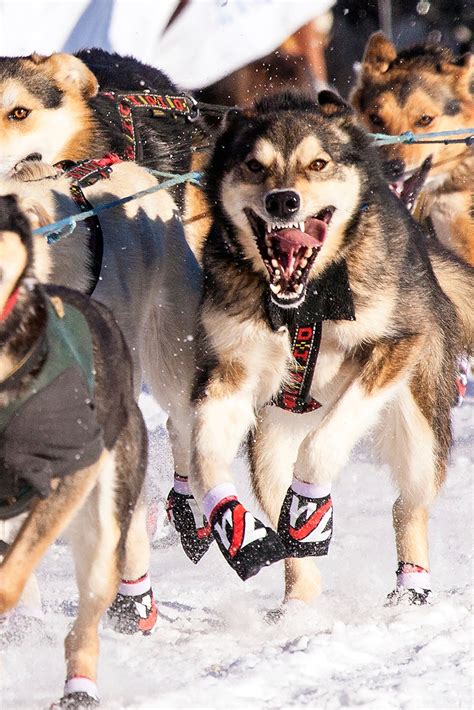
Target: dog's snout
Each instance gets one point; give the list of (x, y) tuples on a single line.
[(394, 168), (282, 203)]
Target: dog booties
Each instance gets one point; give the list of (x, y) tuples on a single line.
[(51, 430)]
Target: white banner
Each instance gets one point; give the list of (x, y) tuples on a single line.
[(210, 38)]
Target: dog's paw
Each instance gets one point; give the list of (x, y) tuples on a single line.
[(246, 543), (190, 523), (133, 614), (402, 596), (76, 701)]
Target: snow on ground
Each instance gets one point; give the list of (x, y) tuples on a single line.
[(213, 648)]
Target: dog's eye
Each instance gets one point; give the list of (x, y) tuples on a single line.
[(254, 166), (425, 120), (19, 113), (318, 164), (376, 120)]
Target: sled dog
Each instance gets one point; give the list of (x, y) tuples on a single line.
[(424, 89), (72, 445), (323, 315), (51, 108), (150, 280)]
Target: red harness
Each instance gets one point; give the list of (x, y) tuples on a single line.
[(156, 104), (83, 174)]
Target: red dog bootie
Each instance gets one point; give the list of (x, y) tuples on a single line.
[(306, 519), (189, 522), (134, 608), (246, 543)]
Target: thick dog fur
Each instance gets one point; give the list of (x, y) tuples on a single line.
[(424, 89), (413, 314), (98, 502)]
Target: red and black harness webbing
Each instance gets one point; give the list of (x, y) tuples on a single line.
[(328, 298), (83, 174), (295, 395), (153, 104)]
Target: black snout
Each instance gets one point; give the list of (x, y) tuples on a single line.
[(282, 203), (394, 169)]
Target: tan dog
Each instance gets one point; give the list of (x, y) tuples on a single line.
[(72, 442), (424, 89)]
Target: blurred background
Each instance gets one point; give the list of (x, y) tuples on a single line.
[(232, 51)]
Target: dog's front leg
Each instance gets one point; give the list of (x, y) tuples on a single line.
[(223, 416), (44, 524)]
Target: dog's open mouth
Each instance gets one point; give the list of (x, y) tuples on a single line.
[(408, 188), (288, 251)]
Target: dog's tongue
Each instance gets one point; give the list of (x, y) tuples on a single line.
[(313, 235), (291, 240)]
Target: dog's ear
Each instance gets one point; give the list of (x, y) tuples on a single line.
[(379, 53), (69, 72), (36, 214), (331, 104)]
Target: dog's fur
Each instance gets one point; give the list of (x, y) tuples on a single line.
[(99, 501), (397, 357), (424, 89)]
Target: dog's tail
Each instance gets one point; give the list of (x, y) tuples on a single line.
[(456, 278)]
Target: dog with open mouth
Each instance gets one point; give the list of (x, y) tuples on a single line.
[(320, 313), (424, 89)]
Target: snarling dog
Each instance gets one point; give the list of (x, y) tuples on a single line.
[(424, 89), (322, 309), (148, 278), (72, 444)]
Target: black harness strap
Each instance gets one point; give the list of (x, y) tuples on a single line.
[(84, 174), (327, 298)]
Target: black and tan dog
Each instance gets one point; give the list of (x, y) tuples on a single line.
[(72, 442), (423, 89), (321, 318)]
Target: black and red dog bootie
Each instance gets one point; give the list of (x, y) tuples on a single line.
[(306, 518)]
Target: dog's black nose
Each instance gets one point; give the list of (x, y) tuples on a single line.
[(394, 168), (282, 203)]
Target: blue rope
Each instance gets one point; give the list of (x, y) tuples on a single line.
[(64, 227), (410, 137)]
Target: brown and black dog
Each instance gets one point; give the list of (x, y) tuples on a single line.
[(73, 443), (424, 89)]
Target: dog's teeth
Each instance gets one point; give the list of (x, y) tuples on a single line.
[(277, 272), (268, 227), (308, 252), (270, 251), (301, 226), (303, 263), (299, 273), (275, 263), (299, 289), (276, 288)]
